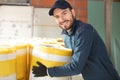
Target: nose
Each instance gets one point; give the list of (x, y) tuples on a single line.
[(61, 19)]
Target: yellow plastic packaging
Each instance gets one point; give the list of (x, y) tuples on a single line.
[(7, 62), (29, 57), (51, 56), (21, 52)]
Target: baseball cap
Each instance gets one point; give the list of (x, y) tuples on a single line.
[(62, 4)]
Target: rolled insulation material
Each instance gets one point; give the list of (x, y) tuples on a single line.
[(31, 44), (51, 56), (58, 42), (7, 62), (29, 57), (21, 52), (28, 61)]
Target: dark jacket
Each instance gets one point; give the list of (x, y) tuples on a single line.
[(90, 57)]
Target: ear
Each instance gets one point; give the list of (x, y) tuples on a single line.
[(73, 12)]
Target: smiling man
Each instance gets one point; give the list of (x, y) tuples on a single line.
[(89, 58), (64, 18)]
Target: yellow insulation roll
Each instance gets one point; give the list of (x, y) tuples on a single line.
[(31, 43), (21, 52), (7, 62), (29, 57), (58, 41), (30, 53), (51, 56)]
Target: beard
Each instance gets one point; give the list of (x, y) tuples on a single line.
[(67, 24)]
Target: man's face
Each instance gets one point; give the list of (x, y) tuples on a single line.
[(64, 18)]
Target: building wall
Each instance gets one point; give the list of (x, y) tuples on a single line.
[(116, 0), (80, 7), (96, 18), (115, 38), (16, 22)]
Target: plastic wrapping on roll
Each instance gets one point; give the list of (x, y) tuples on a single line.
[(21, 59), (51, 56), (7, 62)]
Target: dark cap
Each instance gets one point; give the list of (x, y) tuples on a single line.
[(62, 4)]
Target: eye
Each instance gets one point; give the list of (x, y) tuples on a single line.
[(64, 13), (56, 17)]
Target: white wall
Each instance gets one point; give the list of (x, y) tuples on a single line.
[(45, 25), (16, 21)]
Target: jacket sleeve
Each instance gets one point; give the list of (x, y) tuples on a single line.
[(84, 41)]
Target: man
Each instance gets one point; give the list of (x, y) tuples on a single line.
[(89, 58)]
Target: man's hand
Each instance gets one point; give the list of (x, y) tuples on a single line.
[(40, 70)]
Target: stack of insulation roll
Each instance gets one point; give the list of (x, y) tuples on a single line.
[(16, 61), (31, 44), (50, 54), (21, 60), (7, 62)]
